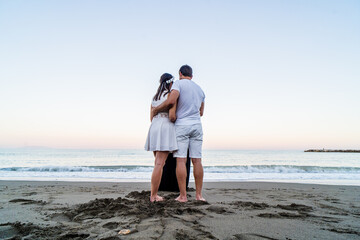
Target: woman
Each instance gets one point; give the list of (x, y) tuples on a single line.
[(161, 138)]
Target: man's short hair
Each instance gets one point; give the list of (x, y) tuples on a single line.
[(186, 71)]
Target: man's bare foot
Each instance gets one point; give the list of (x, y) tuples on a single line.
[(200, 198), (156, 198), (181, 199)]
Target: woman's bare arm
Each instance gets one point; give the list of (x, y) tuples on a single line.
[(151, 113)]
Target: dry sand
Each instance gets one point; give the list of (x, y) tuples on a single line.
[(235, 210)]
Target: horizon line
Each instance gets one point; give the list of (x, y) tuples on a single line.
[(133, 148)]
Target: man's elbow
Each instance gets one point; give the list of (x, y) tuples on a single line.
[(172, 118)]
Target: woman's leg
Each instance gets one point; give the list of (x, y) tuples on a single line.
[(160, 158)]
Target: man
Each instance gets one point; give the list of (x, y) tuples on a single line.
[(189, 98)]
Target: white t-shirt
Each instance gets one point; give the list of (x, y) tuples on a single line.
[(189, 102)]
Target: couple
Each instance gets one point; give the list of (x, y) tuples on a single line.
[(181, 102)]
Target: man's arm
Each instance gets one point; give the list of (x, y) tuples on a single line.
[(166, 105), (202, 109), (172, 113)]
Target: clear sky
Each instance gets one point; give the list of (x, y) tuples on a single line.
[(276, 74)]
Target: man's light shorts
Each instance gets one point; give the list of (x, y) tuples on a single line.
[(189, 137)]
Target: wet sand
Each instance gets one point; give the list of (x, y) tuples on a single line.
[(234, 210)]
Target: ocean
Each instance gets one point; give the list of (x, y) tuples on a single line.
[(105, 165)]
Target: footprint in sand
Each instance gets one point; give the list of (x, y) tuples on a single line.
[(249, 236), (27, 201)]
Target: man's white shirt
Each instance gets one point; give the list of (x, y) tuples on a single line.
[(189, 102)]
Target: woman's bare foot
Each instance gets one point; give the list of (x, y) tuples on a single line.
[(156, 198), (200, 198), (181, 199)]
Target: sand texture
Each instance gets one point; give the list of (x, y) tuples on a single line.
[(234, 210)]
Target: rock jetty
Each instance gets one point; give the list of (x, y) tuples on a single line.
[(333, 150)]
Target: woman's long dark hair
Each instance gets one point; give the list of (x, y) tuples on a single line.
[(164, 86)]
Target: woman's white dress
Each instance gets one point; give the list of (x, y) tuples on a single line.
[(161, 135)]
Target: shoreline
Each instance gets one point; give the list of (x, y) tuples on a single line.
[(325, 182), (141, 182), (334, 150), (234, 210)]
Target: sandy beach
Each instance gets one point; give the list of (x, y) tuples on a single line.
[(234, 210)]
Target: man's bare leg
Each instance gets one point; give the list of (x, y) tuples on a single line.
[(199, 176), (160, 158), (181, 175)]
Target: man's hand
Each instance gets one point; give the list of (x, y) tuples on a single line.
[(153, 112)]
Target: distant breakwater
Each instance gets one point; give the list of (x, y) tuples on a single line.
[(333, 150)]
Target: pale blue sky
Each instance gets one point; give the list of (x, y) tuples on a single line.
[(276, 74)]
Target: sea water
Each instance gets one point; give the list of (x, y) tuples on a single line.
[(219, 165)]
